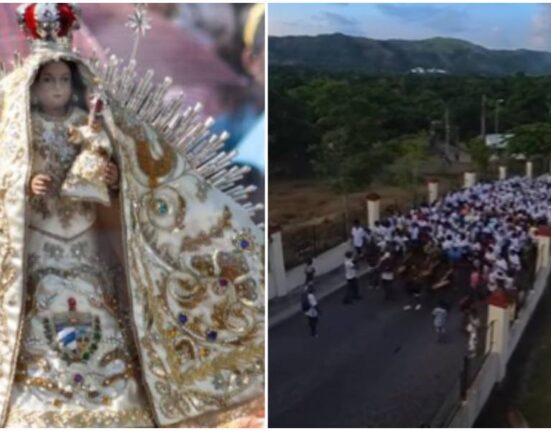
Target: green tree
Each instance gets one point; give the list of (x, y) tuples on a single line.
[(480, 154), (531, 140), (413, 150)]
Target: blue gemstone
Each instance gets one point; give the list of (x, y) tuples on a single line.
[(162, 207), (244, 244), (211, 336), (182, 318)]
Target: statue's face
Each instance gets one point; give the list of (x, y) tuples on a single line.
[(53, 87)]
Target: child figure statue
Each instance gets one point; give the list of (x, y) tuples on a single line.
[(85, 179), (146, 313)]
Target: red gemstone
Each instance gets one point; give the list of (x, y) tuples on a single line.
[(30, 20), (99, 106), (66, 18), (223, 282), (72, 302)]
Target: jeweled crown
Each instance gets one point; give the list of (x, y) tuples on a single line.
[(49, 22)]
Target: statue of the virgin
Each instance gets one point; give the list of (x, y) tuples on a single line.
[(137, 299)]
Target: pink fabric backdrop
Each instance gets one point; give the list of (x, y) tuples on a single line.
[(167, 49)]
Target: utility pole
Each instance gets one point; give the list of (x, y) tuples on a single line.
[(447, 129), (483, 117), (496, 115)]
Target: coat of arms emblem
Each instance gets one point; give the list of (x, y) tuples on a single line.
[(74, 335)]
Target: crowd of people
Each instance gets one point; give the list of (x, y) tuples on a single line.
[(486, 230)]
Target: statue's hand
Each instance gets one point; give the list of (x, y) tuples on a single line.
[(41, 185), (111, 175)]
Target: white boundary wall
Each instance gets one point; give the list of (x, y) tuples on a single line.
[(506, 339)]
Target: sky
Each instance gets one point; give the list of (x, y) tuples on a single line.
[(497, 26)]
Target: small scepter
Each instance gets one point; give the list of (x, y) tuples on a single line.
[(138, 22)]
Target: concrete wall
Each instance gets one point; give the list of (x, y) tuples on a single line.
[(526, 313), (492, 371), (277, 278), (478, 394), (281, 282)]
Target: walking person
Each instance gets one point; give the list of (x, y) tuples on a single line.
[(311, 309), (309, 272), (413, 286), (359, 238), (350, 272), (440, 314), (386, 265)]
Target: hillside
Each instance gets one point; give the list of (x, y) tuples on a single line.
[(339, 53)]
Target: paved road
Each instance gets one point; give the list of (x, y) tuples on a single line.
[(373, 365)]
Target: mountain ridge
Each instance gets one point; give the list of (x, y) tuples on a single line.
[(338, 52)]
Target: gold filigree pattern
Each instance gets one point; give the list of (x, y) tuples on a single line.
[(247, 415), (253, 354), (205, 238), (201, 349), (204, 264), (232, 265), (154, 169), (81, 419)]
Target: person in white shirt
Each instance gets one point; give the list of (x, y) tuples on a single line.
[(473, 328), (447, 243), (514, 260), (311, 310), (501, 263), (489, 256), (350, 274), (440, 314), (359, 238), (386, 267)]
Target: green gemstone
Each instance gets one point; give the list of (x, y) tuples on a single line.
[(86, 356), (162, 207), (93, 347), (97, 336)]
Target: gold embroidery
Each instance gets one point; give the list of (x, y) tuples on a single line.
[(247, 415), (154, 169), (85, 180), (81, 419), (232, 265), (8, 272), (155, 365), (244, 241), (203, 238), (247, 291), (246, 355), (204, 264), (176, 308)]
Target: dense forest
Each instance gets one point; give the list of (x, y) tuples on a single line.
[(348, 126)]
